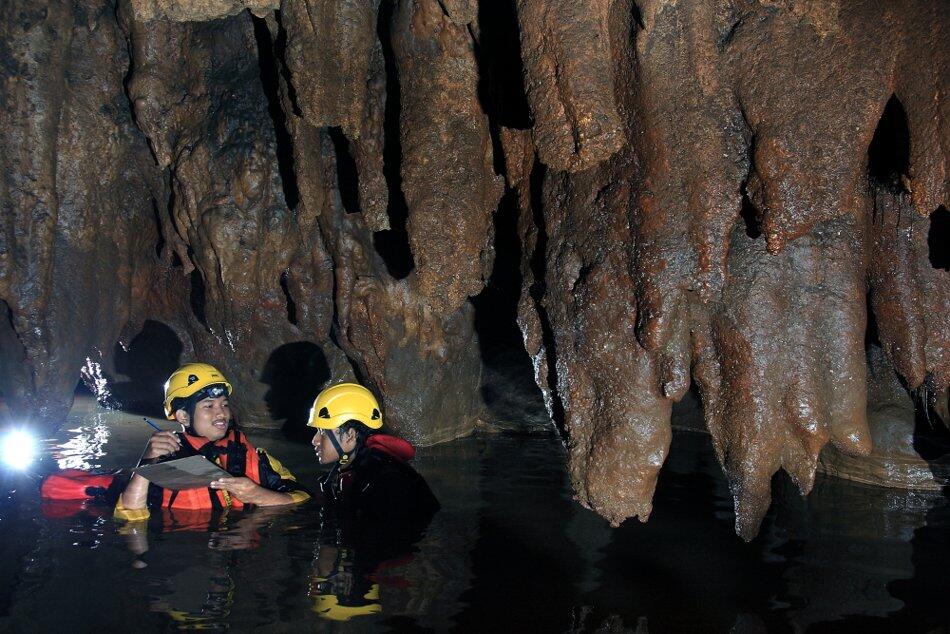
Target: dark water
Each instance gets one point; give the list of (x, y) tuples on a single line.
[(509, 551)]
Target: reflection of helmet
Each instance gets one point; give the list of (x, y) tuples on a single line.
[(185, 621), (346, 401), (188, 380), (198, 599), (328, 606)]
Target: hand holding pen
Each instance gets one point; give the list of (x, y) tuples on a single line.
[(162, 443)]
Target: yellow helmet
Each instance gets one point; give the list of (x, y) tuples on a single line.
[(188, 380), (328, 606), (346, 401)]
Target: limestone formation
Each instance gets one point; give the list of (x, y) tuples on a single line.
[(78, 194), (741, 199), (197, 10)]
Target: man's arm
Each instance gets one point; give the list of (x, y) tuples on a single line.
[(135, 496)]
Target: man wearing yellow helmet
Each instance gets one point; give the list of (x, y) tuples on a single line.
[(196, 396), (369, 478)]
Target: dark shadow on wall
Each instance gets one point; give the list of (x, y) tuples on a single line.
[(294, 373), (539, 265), (688, 411), (347, 174), (151, 357), (751, 216), (501, 73)]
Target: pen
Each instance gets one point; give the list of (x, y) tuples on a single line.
[(151, 424)]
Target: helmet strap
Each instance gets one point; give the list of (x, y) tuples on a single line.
[(343, 456), (190, 410)]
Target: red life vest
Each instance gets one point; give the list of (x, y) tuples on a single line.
[(194, 499), (74, 484)]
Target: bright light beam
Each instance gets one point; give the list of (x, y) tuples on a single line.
[(17, 449)]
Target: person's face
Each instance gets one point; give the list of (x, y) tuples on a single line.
[(212, 417), (326, 452)]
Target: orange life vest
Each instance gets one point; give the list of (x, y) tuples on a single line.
[(194, 499)]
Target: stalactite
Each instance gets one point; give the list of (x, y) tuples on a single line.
[(569, 81), (451, 190), (692, 143), (710, 194)]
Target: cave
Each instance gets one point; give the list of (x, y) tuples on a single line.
[(697, 251)]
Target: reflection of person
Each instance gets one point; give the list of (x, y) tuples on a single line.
[(196, 395), (369, 477), (195, 590), (340, 590)]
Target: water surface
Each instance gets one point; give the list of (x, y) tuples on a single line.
[(509, 551)]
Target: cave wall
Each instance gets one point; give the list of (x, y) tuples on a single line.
[(711, 194)]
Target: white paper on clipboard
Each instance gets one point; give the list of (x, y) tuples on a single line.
[(193, 472)]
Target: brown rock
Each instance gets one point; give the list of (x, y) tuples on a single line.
[(77, 196), (198, 10), (447, 172), (708, 191), (339, 80), (568, 67), (921, 73), (909, 295), (616, 417), (785, 371), (330, 47), (893, 462), (228, 203), (692, 143), (808, 161), (424, 365), (461, 12)]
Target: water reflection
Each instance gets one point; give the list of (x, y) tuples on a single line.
[(84, 449), (342, 588), (510, 550), (186, 560), (847, 542)]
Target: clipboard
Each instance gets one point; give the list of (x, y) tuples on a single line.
[(193, 472)]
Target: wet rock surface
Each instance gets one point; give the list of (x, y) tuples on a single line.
[(897, 459), (707, 194)]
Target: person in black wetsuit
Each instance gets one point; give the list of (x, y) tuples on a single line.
[(370, 480), (374, 505)]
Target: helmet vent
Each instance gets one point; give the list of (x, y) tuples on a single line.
[(192, 379), (324, 413), (375, 414)]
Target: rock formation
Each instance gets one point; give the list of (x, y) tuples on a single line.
[(711, 194)]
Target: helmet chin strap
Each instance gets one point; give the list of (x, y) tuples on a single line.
[(344, 457)]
